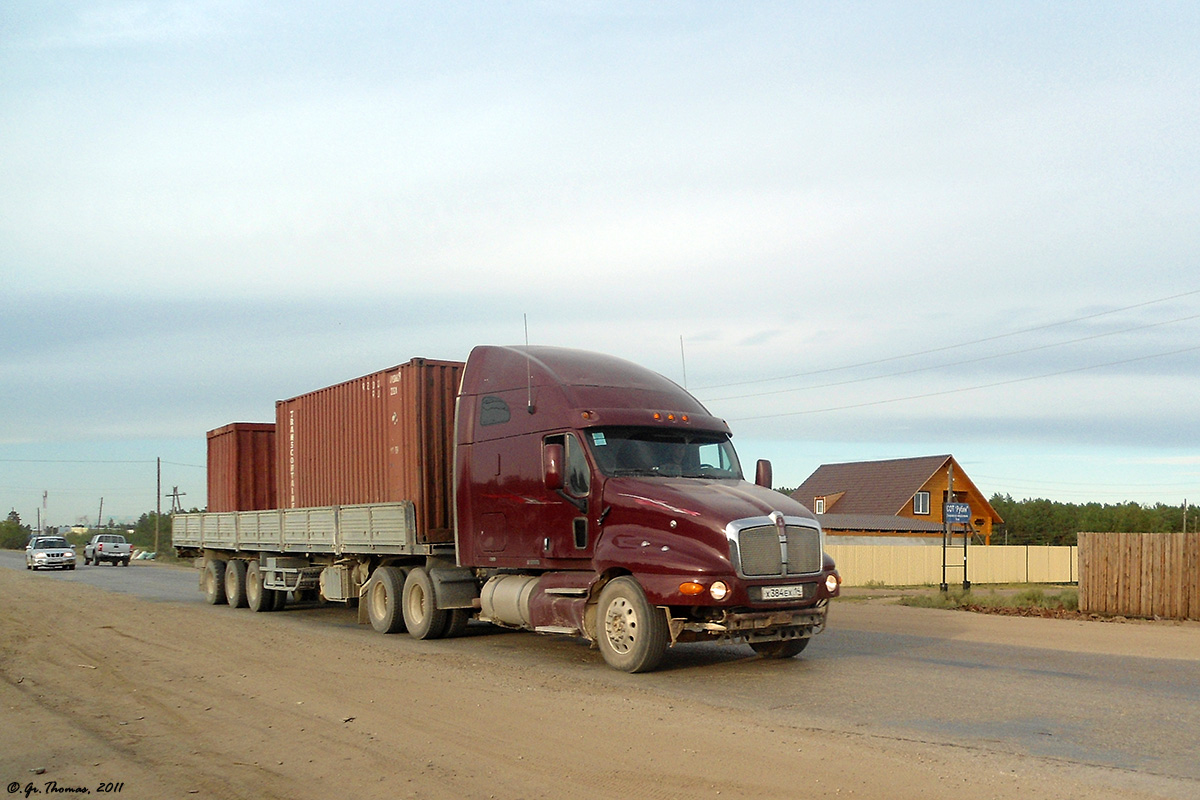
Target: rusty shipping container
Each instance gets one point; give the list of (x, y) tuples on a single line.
[(241, 467), (381, 438)]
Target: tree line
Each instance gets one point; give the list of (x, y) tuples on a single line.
[(14, 534), (1050, 522)]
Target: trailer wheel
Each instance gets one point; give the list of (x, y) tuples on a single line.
[(257, 597), (384, 598), (235, 583), (421, 614), (632, 634), (788, 648), (214, 581)]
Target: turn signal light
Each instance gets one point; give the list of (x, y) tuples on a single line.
[(691, 588)]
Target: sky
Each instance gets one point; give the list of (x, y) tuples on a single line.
[(856, 231)]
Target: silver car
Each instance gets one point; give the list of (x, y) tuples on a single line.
[(49, 552)]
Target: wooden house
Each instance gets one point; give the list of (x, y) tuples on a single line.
[(899, 501)]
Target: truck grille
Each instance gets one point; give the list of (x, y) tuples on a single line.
[(762, 556)]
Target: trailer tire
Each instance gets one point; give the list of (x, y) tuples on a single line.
[(214, 581), (235, 583), (631, 633), (258, 597), (421, 614), (788, 648), (385, 598)]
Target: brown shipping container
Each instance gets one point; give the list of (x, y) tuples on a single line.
[(241, 467), (381, 438)]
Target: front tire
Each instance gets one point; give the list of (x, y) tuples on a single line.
[(631, 633), (422, 617)]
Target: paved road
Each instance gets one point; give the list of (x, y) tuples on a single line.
[(1137, 716), (141, 578)]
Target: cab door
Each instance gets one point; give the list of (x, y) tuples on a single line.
[(567, 532)]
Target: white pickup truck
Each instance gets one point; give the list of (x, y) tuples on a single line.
[(107, 547)]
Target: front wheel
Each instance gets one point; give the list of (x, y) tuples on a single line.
[(788, 648), (632, 634)]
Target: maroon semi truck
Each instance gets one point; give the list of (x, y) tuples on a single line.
[(586, 496)]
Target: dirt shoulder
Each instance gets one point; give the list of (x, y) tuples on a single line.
[(172, 700), (878, 610)]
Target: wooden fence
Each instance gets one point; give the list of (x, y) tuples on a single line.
[(919, 565), (1140, 574)]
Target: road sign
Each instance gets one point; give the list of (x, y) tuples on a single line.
[(957, 512)]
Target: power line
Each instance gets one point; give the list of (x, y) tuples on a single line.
[(962, 389), (955, 346), (66, 461), (958, 363)]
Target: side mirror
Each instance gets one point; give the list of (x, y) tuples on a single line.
[(762, 474), (553, 456)]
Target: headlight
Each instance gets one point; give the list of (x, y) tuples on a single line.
[(718, 590), (831, 583)]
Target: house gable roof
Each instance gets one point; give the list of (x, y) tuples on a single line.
[(869, 487)]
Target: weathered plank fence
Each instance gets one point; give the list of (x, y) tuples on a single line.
[(1140, 574)]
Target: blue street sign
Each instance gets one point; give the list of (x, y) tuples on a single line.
[(957, 512)]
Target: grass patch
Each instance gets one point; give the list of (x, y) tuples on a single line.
[(1035, 598)]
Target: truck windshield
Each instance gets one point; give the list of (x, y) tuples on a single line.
[(663, 453)]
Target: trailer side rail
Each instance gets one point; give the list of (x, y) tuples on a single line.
[(374, 529)]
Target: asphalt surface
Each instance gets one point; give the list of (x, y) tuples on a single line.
[(1138, 716)]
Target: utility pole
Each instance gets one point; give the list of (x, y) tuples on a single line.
[(157, 501), (100, 514)]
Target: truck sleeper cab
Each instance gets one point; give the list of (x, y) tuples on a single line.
[(598, 498)]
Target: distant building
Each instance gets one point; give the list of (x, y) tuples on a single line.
[(899, 501)]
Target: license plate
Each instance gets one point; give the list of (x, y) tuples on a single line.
[(783, 592)]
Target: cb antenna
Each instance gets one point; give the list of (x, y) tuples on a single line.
[(683, 358), (528, 366)]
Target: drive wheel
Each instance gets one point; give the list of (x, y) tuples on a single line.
[(235, 583), (384, 599), (788, 648), (456, 622), (632, 634), (257, 597), (422, 617), (214, 581)]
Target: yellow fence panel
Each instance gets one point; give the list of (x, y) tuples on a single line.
[(914, 565)]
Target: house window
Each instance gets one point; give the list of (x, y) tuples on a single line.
[(820, 505), (921, 503)]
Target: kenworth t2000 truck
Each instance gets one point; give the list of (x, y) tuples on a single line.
[(585, 496)]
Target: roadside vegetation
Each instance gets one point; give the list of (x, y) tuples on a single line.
[(1021, 601), (1046, 522), (14, 534)]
